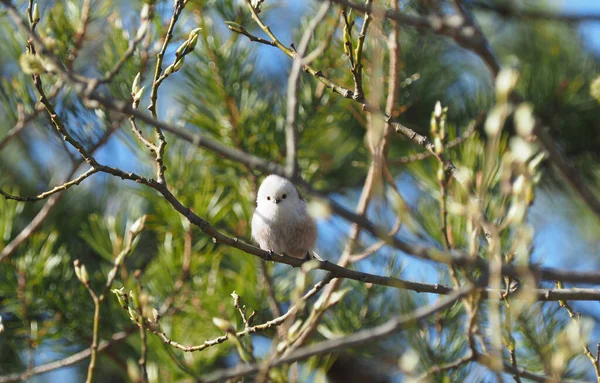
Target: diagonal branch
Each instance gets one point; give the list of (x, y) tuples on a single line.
[(486, 361), (68, 361), (51, 202), (397, 323), (147, 13), (55, 190), (291, 130), (472, 127), (248, 330), (510, 10), (463, 30), (577, 318), (575, 180)]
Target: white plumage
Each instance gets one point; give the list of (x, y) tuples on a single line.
[(281, 222)]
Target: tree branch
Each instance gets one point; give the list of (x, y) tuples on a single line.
[(397, 323), (248, 330), (158, 78), (70, 360), (291, 130), (510, 10), (55, 190), (579, 185)]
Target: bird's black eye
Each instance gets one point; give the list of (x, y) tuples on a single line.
[(284, 196), (268, 198)]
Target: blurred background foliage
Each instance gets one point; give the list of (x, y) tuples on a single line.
[(234, 91)]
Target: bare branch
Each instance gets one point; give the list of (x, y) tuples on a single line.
[(472, 127), (51, 202), (397, 323), (586, 350), (248, 330), (68, 361), (23, 119), (234, 27), (464, 31), (510, 10), (445, 367), (486, 361), (291, 130), (80, 33), (133, 44), (267, 30), (55, 190), (158, 78), (579, 185)]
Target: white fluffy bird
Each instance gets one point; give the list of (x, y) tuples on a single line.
[(281, 222)]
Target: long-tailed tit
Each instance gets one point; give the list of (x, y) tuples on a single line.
[(281, 222)]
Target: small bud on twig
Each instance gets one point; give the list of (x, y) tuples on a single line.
[(138, 96), (178, 64), (135, 87), (84, 275), (35, 15), (235, 27), (437, 110), (121, 297), (145, 13), (182, 48)]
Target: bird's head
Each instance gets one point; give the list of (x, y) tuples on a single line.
[(276, 192)]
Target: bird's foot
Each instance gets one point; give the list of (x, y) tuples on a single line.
[(270, 255)]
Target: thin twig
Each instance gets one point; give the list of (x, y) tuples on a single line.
[(291, 130), (377, 245), (511, 10), (471, 128), (51, 202), (162, 143), (510, 340), (265, 281), (397, 323), (133, 44), (243, 31), (569, 173), (68, 361), (143, 341), (248, 330), (83, 277), (586, 350), (355, 56), (153, 148), (445, 367), (80, 33), (462, 31), (485, 360), (95, 329), (55, 190), (275, 41)]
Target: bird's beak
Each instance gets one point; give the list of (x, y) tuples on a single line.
[(277, 200)]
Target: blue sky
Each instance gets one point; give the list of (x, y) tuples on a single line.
[(589, 30)]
